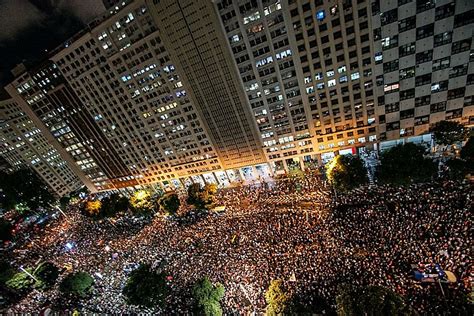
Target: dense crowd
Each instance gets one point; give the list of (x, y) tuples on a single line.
[(292, 229)]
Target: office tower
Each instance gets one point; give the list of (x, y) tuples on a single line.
[(30, 90), (425, 70), (307, 69), (22, 145), (123, 77), (192, 35)]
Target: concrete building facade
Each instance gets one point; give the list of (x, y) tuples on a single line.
[(23, 145)]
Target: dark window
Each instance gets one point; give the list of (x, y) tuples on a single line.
[(443, 38), (390, 66), (407, 94), (464, 18), (461, 46), (389, 16), (407, 24), (456, 93), (424, 56), (423, 100), (424, 31), (423, 5), (422, 80), (457, 71), (444, 11), (407, 114), (438, 107), (442, 63), (407, 49)]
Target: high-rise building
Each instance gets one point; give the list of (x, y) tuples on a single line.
[(425, 69), (22, 145), (191, 33), (171, 92), (307, 68)]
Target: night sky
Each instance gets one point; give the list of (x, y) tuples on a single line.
[(28, 27)]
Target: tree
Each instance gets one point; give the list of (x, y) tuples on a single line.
[(6, 272), (64, 201), (5, 230), (404, 164), (77, 284), (194, 191), (113, 204), (21, 281), (24, 186), (146, 287), (207, 297), (170, 203), (448, 132), (370, 301), (47, 274), (92, 208), (277, 299), (141, 202), (346, 172), (201, 197)]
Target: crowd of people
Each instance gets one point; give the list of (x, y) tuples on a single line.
[(292, 229)]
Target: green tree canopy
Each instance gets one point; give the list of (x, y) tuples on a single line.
[(5, 230), (21, 281), (146, 287), (370, 301), (201, 197), (47, 274), (170, 203), (448, 132), (277, 299), (6, 272), (142, 202), (77, 284), (24, 186), (207, 297), (405, 163), (346, 172), (114, 204)]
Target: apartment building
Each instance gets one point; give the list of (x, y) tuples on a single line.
[(123, 76), (191, 33), (307, 68), (172, 92), (425, 69), (23, 145)]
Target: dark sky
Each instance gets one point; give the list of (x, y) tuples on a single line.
[(28, 27)]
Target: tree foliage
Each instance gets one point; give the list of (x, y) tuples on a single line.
[(6, 272), (114, 204), (146, 287), (207, 297), (170, 203), (21, 281), (346, 172), (92, 208), (5, 230), (142, 202), (77, 284), (277, 299), (24, 187), (201, 197), (47, 274), (370, 301), (448, 132), (404, 164)]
